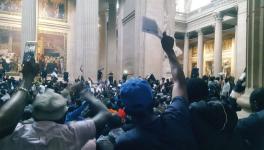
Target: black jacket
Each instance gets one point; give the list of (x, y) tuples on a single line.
[(252, 130), (213, 126)]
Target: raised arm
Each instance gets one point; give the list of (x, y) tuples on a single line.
[(12, 110), (179, 87), (102, 115)]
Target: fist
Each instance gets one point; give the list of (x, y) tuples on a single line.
[(30, 69), (167, 43)]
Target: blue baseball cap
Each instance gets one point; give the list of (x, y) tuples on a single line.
[(136, 94)]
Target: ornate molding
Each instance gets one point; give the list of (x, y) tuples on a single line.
[(10, 20), (218, 16), (14, 21), (199, 31), (53, 26)]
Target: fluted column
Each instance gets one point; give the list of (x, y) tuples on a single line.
[(111, 39), (103, 41), (71, 51), (255, 51), (218, 44), (200, 48), (255, 47), (29, 23), (186, 54), (86, 37), (241, 37)]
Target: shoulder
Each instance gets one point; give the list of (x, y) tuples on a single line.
[(178, 107), (136, 138), (252, 120), (83, 130), (130, 135)]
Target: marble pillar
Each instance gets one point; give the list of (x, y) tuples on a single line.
[(170, 11), (140, 10), (241, 37), (255, 50), (255, 47), (71, 51), (186, 55), (218, 44), (86, 39), (29, 23), (111, 39), (103, 17), (200, 49), (120, 39), (234, 54), (153, 50)]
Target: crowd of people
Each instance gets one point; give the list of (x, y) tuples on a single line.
[(137, 113)]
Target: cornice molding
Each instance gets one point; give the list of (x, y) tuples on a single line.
[(14, 21)]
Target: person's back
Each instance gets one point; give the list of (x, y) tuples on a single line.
[(48, 135), (251, 128), (252, 131), (213, 125), (171, 131), (213, 121)]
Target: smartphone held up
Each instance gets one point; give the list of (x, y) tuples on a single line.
[(29, 51)]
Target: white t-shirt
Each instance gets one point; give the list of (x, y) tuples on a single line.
[(47, 135)]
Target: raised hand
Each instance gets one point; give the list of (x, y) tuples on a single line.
[(167, 43), (30, 70), (179, 88)]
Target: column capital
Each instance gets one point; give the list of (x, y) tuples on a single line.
[(186, 35), (218, 16), (199, 31)]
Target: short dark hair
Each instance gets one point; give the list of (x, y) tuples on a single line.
[(257, 100), (197, 89)]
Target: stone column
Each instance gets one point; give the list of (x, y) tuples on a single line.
[(218, 44), (120, 39), (103, 17), (255, 47), (200, 49), (140, 10), (234, 54), (29, 23), (10, 42), (71, 51), (111, 39), (86, 38), (241, 37), (255, 51), (186, 54)]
